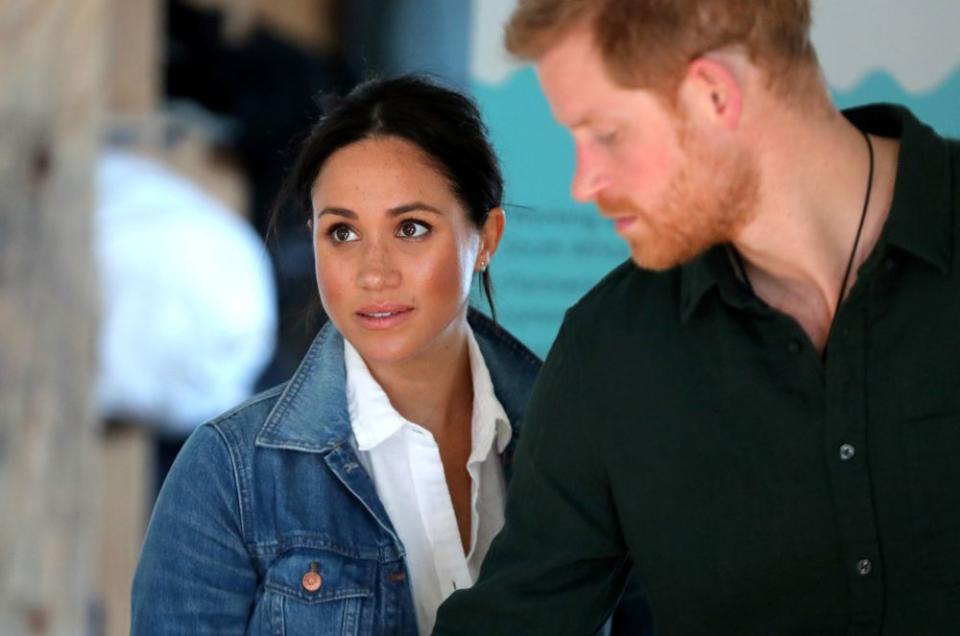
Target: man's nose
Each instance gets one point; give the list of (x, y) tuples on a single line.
[(589, 176)]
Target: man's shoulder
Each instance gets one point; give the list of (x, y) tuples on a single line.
[(953, 143), (625, 295)]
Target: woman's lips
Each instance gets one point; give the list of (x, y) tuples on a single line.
[(383, 316)]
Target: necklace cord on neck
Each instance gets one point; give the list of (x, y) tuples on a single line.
[(863, 217), (856, 241)]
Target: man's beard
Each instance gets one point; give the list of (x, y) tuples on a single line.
[(706, 203)]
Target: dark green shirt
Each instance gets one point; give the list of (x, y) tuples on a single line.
[(685, 428)]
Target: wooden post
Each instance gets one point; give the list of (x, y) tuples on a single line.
[(126, 494), (132, 85), (51, 55), (134, 37)]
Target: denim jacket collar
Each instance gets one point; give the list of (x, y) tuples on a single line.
[(311, 414)]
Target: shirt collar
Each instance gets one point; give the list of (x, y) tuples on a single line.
[(921, 215), (920, 219), (711, 269), (489, 421), (375, 420)]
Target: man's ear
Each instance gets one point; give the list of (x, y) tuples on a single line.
[(712, 93)]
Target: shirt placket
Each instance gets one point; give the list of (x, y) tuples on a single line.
[(437, 513), (846, 444)]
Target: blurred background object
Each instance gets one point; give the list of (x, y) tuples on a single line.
[(188, 305)]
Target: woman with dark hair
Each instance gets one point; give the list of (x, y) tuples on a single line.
[(358, 495)]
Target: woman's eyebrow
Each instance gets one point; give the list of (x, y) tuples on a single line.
[(344, 212), (394, 211), (410, 207)]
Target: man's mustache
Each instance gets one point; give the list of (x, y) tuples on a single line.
[(617, 206)]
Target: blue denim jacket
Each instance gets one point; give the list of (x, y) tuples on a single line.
[(273, 490)]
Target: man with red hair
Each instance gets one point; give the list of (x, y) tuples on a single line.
[(758, 415)]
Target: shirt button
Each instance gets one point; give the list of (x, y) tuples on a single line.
[(889, 263), (312, 580), (864, 567), (847, 451), (793, 346)]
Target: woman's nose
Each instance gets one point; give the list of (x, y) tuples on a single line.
[(377, 268)]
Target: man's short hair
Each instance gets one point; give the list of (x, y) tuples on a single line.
[(648, 43)]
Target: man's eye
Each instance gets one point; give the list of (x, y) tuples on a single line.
[(342, 234), (605, 137), (413, 229)]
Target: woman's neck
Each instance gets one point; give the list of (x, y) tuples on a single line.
[(435, 389)]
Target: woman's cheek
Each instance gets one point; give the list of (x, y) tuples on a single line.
[(446, 277), (331, 286)]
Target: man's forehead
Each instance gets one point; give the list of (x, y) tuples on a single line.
[(574, 79), (580, 91)]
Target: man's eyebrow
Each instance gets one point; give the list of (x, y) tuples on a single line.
[(344, 212), (410, 207)]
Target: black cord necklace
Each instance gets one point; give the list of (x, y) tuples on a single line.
[(856, 241)]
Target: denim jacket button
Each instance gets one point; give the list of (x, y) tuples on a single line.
[(312, 580)]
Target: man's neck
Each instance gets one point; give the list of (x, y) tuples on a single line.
[(814, 181)]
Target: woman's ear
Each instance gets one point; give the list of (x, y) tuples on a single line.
[(490, 235)]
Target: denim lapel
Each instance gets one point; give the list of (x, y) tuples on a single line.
[(311, 416), (344, 464), (513, 369)]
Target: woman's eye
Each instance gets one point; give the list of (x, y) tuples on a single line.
[(342, 234), (413, 229)]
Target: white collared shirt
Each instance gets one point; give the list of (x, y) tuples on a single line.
[(404, 462)]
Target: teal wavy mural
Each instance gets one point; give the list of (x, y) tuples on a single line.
[(554, 249), (939, 107)]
